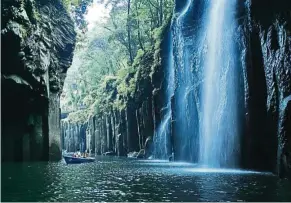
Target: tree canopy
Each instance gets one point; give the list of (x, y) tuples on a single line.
[(78, 8), (103, 69)]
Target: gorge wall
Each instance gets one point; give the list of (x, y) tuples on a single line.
[(119, 129), (263, 81), (266, 48), (37, 41)]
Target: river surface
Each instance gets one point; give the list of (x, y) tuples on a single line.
[(121, 179)]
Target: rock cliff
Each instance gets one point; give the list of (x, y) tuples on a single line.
[(266, 28), (38, 40), (118, 129), (264, 80)]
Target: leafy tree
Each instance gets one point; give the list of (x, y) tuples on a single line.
[(106, 57), (78, 8)]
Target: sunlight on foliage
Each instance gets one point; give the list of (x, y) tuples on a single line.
[(114, 57)]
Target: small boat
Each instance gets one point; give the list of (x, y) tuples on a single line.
[(77, 160)]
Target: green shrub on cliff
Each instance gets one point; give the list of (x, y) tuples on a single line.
[(80, 116), (113, 62)]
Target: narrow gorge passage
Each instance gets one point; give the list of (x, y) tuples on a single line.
[(133, 100)]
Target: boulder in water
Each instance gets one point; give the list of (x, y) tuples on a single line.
[(132, 154), (151, 157), (111, 153)]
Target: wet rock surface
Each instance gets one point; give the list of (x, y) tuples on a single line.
[(38, 40), (264, 84), (268, 76), (131, 128)]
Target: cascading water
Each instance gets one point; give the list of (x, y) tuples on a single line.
[(162, 135), (186, 112), (205, 62), (161, 139), (219, 135)]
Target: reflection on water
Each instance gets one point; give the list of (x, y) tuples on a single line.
[(120, 179), (221, 170)]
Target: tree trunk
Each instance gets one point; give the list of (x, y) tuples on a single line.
[(138, 28), (129, 32), (161, 12)]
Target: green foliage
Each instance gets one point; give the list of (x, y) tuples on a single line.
[(78, 8), (139, 55), (36, 15), (67, 4), (104, 76), (80, 116)]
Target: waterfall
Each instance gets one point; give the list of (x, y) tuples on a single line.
[(163, 133), (162, 143), (219, 136), (186, 114), (206, 74), (161, 139)]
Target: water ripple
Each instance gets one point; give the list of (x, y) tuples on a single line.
[(112, 179)]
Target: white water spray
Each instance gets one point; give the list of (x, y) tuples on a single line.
[(163, 133), (218, 140)]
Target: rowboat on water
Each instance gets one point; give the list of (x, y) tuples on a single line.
[(78, 160)]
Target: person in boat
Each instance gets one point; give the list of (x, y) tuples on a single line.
[(85, 155), (78, 153)]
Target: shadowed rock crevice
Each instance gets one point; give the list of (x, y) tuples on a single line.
[(38, 40)]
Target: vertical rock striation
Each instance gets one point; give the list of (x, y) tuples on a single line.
[(263, 79), (38, 40), (266, 28), (119, 130), (76, 136), (263, 85)]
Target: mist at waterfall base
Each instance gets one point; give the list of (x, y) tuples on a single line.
[(203, 79)]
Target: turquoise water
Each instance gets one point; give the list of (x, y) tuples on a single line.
[(121, 179)]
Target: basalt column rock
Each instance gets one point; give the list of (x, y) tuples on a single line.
[(87, 135), (97, 137), (284, 154), (74, 136), (132, 133), (54, 127), (145, 125), (109, 133), (90, 135), (122, 134), (267, 38), (37, 42), (103, 135), (113, 128)]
